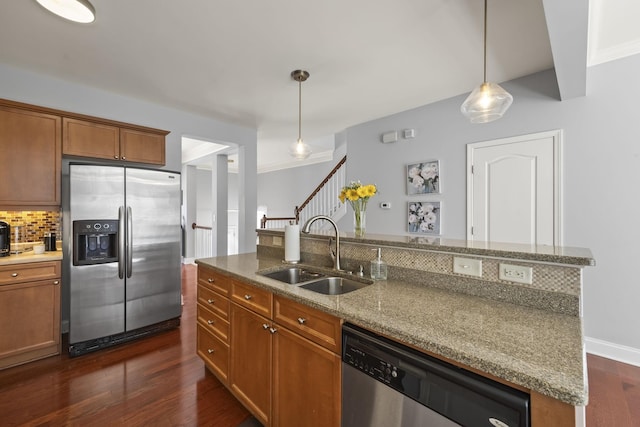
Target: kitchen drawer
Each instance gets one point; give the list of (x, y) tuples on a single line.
[(19, 273), (214, 353), (214, 280), (213, 301), (213, 323), (317, 326), (255, 299)]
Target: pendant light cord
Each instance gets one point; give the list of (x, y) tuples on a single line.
[(299, 110), (485, 42)]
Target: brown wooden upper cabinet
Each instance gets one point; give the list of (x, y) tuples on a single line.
[(31, 158), (102, 141)]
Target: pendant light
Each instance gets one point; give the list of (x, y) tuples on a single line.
[(74, 10), (489, 101), (299, 149)]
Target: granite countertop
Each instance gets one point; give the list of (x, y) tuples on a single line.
[(536, 349), (29, 256), (543, 253)]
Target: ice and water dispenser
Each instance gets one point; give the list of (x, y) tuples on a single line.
[(95, 241)]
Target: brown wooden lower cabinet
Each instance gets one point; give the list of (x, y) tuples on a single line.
[(250, 376), (214, 352), (306, 382), (29, 312)]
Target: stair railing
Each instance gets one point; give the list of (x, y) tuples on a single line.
[(322, 201)]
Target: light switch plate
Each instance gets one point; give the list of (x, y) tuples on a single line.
[(516, 273), (468, 266)]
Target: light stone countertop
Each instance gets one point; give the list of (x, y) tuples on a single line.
[(29, 256), (536, 349)]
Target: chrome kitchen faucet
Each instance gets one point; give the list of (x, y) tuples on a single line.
[(307, 227)]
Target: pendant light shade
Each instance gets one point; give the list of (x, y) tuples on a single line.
[(489, 101), (299, 149), (74, 10)]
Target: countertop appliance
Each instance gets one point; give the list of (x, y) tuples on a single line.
[(5, 239), (386, 384), (124, 261)]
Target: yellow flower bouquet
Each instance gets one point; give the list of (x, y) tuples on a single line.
[(358, 195)]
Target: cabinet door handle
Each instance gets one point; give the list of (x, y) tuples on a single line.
[(124, 158), (273, 330), (265, 326), (210, 301), (211, 351), (247, 297), (56, 282), (210, 322), (210, 280), (14, 274)]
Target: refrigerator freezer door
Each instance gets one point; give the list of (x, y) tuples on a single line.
[(97, 294), (153, 279)]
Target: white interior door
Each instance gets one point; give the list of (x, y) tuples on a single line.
[(514, 190)]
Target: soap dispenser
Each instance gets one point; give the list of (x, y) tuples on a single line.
[(378, 267)]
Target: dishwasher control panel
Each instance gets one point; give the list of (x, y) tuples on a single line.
[(371, 362)]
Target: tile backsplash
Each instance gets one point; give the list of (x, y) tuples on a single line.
[(34, 224)]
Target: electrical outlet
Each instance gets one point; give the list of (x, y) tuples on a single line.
[(277, 241), (516, 273), (468, 266)]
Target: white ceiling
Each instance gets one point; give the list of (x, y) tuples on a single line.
[(232, 59)]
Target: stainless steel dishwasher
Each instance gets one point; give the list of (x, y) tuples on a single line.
[(386, 384)]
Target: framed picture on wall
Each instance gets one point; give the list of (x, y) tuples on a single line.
[(424, 217), (424, 177)]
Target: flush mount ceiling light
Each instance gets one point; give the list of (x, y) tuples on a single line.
[(489, 101), (299, 149), (74, 10)]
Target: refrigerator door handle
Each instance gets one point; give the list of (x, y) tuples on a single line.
[(129, 243), (121, 245)]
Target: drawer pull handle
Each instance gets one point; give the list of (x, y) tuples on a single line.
[(115, 157), (14, 274), (247, 297), (265, 326), (210, 322), (210, 301), (210, 280), (56, 282), (301, 320), (211, 351), (273, 330)]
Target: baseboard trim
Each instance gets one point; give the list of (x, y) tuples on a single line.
[(610, 350)]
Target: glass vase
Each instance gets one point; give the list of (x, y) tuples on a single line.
[(359, 222)]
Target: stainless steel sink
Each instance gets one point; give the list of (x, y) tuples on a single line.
[(294, 275), (334, 285)]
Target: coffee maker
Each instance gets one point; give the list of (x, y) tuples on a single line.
[(5, 237)]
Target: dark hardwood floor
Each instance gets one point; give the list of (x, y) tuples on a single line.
[(159, 381), (614, 393)]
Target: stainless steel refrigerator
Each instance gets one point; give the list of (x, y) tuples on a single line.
[(124, 260)]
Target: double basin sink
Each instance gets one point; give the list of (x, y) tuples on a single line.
[(315, 281)]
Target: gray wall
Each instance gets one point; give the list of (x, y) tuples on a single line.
[(24, 86), (601, 137), (281, 191)]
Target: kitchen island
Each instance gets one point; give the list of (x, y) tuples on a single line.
[(526, 346)]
